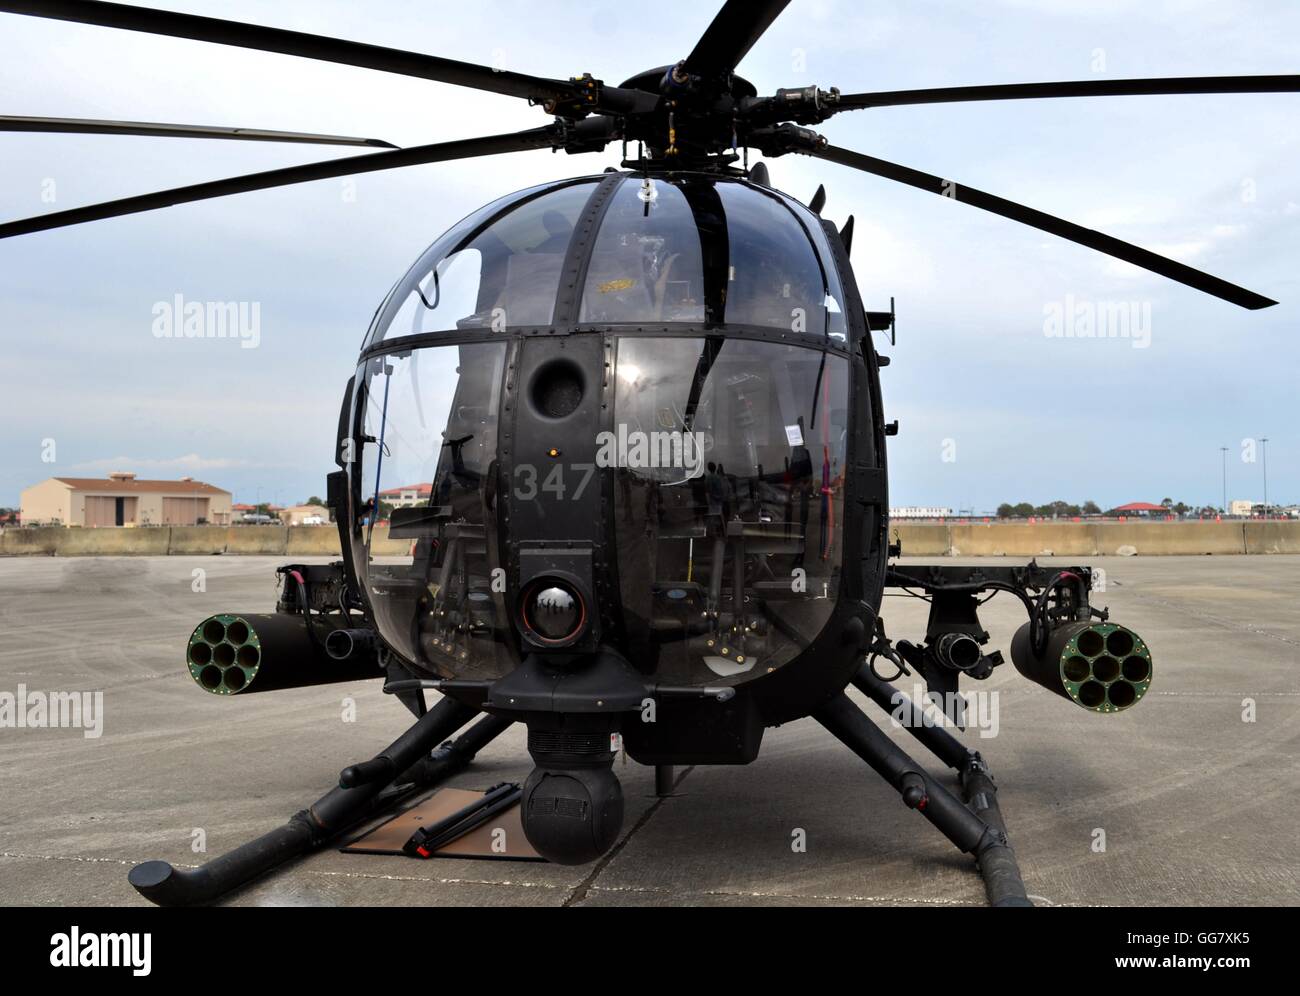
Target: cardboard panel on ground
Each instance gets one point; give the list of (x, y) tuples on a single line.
[(500, 838)]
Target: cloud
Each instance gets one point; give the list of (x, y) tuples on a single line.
[(1189, 250), (189, 464), (1166, 172)]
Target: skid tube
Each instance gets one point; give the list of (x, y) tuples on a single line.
[(975, 825), (364, 791)]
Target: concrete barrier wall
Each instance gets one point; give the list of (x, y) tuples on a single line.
[(382, 546), (919, 539), (30, 542), (1092, 539), (1272, 537), (1020, 539), (113, 543), (1159, 538), (197, 540), (264, 540), (275, 541), (312, 541)]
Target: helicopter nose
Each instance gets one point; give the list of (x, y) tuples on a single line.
[(555, 516)]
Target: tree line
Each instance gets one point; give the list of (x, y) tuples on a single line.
[(1065, 509), (1025, 509)]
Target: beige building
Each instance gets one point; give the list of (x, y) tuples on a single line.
[(123, 500), (406, 496), (305, 515)]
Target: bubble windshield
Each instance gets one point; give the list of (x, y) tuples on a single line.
[(687, 250), (425, 546), (696, 249), (497, 269), (723, 461), (730, 459)]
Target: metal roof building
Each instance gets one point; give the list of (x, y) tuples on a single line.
[(122, 499)]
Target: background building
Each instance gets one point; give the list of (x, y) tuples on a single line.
[(305, 515), (920, 512), (405, 497), (1140, 509), (255, 514), (123, 500)]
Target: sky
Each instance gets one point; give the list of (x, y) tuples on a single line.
[(992, 407)]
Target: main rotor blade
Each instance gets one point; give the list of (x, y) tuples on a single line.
[(735, 29), (1073, 88), (1048, 223), (253, 36), (536, 138), (88, 126)]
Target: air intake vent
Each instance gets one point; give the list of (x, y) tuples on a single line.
[(572, 744)]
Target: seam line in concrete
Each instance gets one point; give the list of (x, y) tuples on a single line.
[(580, 891), (1225, 623), (831, 897)]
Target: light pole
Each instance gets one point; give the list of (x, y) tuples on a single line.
[(1264, 457), (1224, 451)]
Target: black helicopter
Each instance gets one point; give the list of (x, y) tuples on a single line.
[(612, 464)]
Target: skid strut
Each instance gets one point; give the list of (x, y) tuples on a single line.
[(664, 780), (975, 826), (364, 790)]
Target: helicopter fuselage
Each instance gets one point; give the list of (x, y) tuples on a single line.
[(643, 414)]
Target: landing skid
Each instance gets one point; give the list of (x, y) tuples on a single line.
[(366, 790), (974, 823), (411, 765)]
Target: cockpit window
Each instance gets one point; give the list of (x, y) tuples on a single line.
[(836, 326), (648, 261), (425, 483), (505, 275), (776, 280), (698, 250), (688, 249), (731, 457)]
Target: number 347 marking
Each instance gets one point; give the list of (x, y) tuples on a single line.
[(527, 477)]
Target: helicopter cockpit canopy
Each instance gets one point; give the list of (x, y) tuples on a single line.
[(684, 249), (717, 317)]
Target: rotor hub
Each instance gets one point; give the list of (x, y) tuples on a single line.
[(694, 123), (651, 81)]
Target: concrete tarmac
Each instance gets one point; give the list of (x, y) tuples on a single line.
[(1190, 798)]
